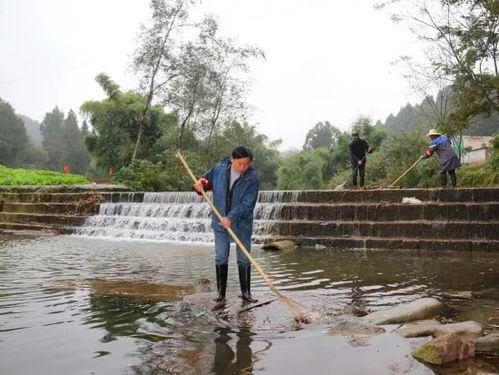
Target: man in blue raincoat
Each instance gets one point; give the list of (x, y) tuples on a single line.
[(235, 192), (449, 162)]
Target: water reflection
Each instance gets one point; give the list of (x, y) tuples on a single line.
[(229, 360)]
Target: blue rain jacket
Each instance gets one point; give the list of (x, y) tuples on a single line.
[(443, 148), (238, 205)]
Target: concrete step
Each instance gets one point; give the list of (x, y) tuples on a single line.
[(71, 208), (384, 211), (46, 197), (6, 217), (392, 243), (70, 197), (19, 228), (450, 230), (382, 195)]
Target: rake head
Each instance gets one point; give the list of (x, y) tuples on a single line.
[(295, 307)]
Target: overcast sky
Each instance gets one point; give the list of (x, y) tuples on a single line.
[(326, 59)]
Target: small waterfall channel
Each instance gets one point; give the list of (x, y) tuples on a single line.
[(174, 217)]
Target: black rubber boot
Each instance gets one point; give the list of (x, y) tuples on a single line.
[(245, 283), (443, 179), (453, 179), (222, 272)]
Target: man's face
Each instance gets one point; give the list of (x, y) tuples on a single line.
[(240, 165), (355, 137)]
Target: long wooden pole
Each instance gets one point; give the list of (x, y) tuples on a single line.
[(407, 171), (287, 301)]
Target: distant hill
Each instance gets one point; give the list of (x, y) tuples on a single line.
[(413, 117), (32, 129)]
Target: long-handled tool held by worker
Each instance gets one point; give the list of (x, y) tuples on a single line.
[(292, 305), (354, 170), (407, 171)]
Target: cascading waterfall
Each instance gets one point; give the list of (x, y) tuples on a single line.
[(174, 217)]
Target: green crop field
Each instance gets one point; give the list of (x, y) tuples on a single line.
[(16, 177)]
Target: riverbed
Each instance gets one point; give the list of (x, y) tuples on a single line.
[(72, 305)]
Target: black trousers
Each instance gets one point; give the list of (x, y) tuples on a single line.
[(361, 171), (443, 178)]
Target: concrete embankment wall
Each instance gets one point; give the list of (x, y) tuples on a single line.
[(50, 209), (446, 219), (449, 219)]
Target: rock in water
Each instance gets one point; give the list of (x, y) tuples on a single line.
[(446, 348), (354, 328), (418, 329), (416, 310), (283, 245), (488, 344), (432, 327)]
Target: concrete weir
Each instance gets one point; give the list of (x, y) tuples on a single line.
[(445, 219), (50, 209)]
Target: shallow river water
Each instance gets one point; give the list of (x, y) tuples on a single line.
[(71, 305)]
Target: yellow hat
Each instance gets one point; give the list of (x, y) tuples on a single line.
[(433, 132)]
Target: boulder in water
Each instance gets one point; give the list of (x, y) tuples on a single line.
[(488, 344), (280, 245), (354, 328), (406, 312), (446, 348), (469, 329)]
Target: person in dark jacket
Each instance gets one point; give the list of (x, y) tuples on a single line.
[(235, 192), (358, 148), (449, 162)]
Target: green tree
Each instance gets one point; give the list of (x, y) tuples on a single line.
[(115, 125), (13, 137), (301, 171), (74, 154), (156, 58), (53, 142), (265, 152), (323, 134), (462, 39), (373, 134)]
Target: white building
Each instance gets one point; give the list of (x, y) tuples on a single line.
[(477, 148)]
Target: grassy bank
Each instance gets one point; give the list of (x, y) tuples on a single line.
[(16, 177)]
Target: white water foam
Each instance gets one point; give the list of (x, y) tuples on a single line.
[(174, 217)]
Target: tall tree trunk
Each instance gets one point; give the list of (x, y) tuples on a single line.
[(145, 112)]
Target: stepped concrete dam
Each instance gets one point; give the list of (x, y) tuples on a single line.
[(436, 219)]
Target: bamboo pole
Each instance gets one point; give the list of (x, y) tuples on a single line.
[(407, 171), (291, 304)]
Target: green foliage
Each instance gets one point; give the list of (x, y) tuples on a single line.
[(326, 167), (481, 175), (13, 137), (322, 135), (115, 121), (143, 175), (265, 153), (63, 144), (16, 177), (410, 118), (74, 154), (462, 41), (301, 171), (52, 130)]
